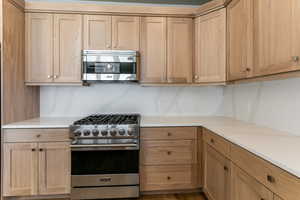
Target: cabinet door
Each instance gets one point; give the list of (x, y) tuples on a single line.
[(20, 169), (244, 187), (54, 168), (273, 37), (97, 32), (240, 39), (39, 47), (210, 52), (216, 174), (154, 49), (296, 33), (126, 33), (180, 50), (67, 47)]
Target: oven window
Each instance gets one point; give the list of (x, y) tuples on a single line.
[(109, 68), (105, 162)]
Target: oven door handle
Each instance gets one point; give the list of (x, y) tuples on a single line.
[(104, 147)]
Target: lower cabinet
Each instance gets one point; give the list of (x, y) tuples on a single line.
[(244, 187), (36, 169), (216, 174)]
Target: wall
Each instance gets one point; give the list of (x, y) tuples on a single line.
[(274, 104), (125, 98)]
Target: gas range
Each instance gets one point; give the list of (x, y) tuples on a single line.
[(105, 128)]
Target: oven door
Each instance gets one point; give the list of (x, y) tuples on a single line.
[(98, 167)]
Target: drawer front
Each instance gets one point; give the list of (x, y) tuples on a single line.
[(169, 133), (166, 152), (36, 135), (217, 142), (154, 178), (274, 178)]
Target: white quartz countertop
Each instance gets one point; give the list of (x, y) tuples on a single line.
[(280, 148)]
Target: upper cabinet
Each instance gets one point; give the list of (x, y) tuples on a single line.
[(125, 33), (53, 48), (153, 49), (97, 32), (210, 49), (180, 50), (240, 39), (276, 36)]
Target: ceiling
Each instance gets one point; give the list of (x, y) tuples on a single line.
[(174, 2)]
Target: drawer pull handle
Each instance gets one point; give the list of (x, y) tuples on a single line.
[(169, 134), (169, 152), (271, 179), (212, 141), (169, 178), (225, 168)]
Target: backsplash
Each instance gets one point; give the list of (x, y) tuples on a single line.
[(274, 104), (69, 101)]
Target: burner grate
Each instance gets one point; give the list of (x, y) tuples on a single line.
[(112, 119)]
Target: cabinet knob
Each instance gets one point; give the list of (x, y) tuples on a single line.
[(295, 58), (225, 168), (41, 149), (169, 134), (38, 135), (168, 177), (247, 69), (49, 76), (212, 141), (196, 77), (108, 46), (169, 152), (55, 76), (271, 179), (32, 149)]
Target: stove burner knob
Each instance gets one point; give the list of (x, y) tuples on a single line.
[(95, 132), (122, 132), (104, 132), (77, 134), (113, 133), (130, 131), (86, 132)]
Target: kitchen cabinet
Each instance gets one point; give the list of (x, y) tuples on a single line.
[(153, 49), (276, 36), (240, 39), (245, 187), (53, 46), (68, 47), (126, 33), (47, 164), (210, 48), (216, 174), (39, 47), (97, 32), (180, 50)]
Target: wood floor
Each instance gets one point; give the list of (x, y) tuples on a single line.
[(194, 196)]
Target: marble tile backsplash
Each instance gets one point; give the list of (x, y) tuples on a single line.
[(69, 101)]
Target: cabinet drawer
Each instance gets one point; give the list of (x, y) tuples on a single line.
[(277, 180), (167, 152), (36, 135), (178, 177), (217, 142), (169, 133)]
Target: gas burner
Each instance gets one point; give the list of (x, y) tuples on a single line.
[(109, 119)]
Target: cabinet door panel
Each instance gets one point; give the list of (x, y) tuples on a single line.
[(153, 49), (68, 47), (180, 50), (216, 174), (20, 169), (54, 168), (273, 38), (126, 33), (210, 55), (97, 32), (39, 47), (247, 188)]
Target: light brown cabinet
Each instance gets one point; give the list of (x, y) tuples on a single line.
[(246, 187), (276, 36), (97, 32), (210, 48), (153, 49), (216, 174), (240, 39), (180, 50), (53, 45)]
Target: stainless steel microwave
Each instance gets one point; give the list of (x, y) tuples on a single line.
[(110, 65)]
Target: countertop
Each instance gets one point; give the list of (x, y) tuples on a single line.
[(280, 148)]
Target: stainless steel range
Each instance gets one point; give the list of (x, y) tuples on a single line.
[(105, 157)]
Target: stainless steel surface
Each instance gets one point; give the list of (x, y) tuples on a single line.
[(109, 77), (104, 180), (105, 147), (105, 192), (110, 56)]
